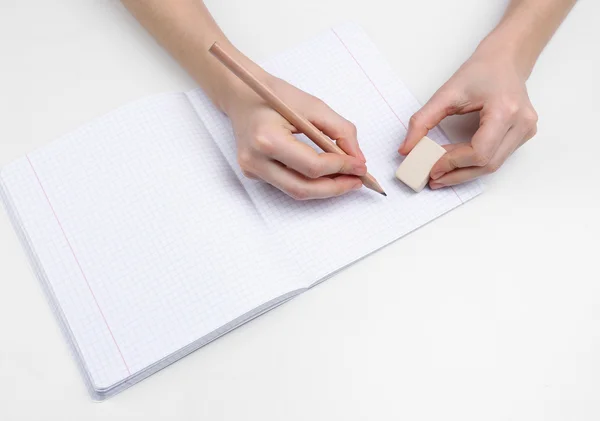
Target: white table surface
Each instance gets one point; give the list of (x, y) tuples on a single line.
[(491, 312)]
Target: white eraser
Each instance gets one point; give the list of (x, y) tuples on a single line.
[(414, 170)]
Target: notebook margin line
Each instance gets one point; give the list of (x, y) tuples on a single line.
[(380, 93), (79, 265)]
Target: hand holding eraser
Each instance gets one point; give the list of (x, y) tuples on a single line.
[(414, 170)]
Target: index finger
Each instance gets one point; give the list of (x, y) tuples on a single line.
[(336, 127), (304, 159), (302, 188)]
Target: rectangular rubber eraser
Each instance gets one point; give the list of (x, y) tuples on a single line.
[(414, 170)]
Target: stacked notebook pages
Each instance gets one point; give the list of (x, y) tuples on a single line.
[(151, 243)]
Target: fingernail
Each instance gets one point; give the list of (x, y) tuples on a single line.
[(401, 146), (360, 155), (436, 175), (360, 169), (357, 186), (435, 186)]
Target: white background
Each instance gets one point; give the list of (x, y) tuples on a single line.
[(491, 312)]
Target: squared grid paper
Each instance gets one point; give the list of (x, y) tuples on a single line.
[(151, 243), (344, 68), (136, 220)]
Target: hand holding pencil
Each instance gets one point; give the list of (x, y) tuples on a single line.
[(266, 147), (264, 119)]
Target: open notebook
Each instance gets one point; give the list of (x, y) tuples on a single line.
[(151, 243)]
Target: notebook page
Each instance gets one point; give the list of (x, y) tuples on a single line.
[(147, 240), (344, 68)]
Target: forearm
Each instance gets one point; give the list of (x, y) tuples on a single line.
[(525, 29), (186, 29)]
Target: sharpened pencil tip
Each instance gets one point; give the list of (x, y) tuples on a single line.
[(384, 193)]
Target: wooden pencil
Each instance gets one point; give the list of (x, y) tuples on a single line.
[(298, 121)]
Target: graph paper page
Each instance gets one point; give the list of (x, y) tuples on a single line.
[(147, 240), (344, 68)]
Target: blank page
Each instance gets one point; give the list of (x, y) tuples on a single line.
[(345, 69)]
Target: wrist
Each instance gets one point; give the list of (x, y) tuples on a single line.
[(510, 48), (235, 94)]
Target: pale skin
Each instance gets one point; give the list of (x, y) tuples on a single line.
[(491, 82)]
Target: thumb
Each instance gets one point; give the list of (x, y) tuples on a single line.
[(429, 116)]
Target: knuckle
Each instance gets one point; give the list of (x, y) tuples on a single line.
[(533, 131), (350, 128), (340, 189), (511, 107), (506, 110), (263, 144), (314, 169), (492, 167), (452, 163), (530, 117), (317, 100), (481, 159), (245, 160), (318, 103), (452, 101), (299, 192), (416, 119)]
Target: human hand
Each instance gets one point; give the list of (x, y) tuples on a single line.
[(267, 149), (492, 83)]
